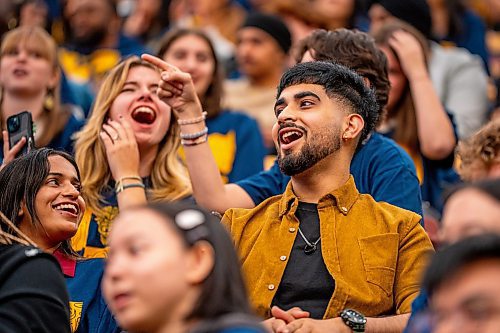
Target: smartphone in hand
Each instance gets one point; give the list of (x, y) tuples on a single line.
[(18, 126)]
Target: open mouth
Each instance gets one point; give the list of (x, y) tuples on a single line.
[(67, 207), (144, 115), (20, 72), (289, 135)]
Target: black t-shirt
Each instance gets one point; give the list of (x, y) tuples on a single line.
[(33, 295), (306, 282)]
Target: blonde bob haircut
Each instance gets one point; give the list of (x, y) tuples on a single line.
[(39, 41), (169, 177)]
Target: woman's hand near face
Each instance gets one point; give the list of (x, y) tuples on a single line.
[(410, 54), (121, 147), (176, 88), (10, 153), (435, 130)]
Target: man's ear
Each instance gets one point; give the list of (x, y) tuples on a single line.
[(201, 262), (353, 126)]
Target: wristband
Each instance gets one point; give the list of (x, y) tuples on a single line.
[(193, 120), (194, 142), (196, 135), (124, 187)]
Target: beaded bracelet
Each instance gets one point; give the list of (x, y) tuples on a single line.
[(195, 142), (124, 187), (193, 120), (119, 184), (192, 136)]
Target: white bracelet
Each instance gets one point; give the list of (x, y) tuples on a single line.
[(193, 120)]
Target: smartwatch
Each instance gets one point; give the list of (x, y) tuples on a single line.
[(355, 320)]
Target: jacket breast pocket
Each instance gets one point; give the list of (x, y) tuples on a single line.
[(380, 256)]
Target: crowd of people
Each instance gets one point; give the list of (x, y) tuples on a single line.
[(244, 166)]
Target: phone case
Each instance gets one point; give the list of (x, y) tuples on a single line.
[(20, 125)]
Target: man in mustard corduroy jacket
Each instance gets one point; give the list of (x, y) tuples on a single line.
[(350, 263)]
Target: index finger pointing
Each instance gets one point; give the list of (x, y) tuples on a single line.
[(159, 63)]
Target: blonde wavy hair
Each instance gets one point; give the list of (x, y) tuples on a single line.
[(480, 151), (41, 42), (169, 177)]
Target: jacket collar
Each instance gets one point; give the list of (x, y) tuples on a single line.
[(343, 198), (68, 265)]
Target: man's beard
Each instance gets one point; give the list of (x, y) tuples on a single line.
[(92, 39), (319, 147)]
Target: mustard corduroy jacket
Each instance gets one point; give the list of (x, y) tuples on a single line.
[(375, 252)]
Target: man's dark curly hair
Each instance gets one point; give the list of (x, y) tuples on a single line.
[(354, 49), (340, 83)]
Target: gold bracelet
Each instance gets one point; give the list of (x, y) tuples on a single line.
[(193, 120)]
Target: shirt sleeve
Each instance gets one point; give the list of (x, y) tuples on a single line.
[(250, 151), (415, 249), (265, 184)]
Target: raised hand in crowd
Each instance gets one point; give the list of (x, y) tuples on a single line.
[(10, 153), (176, 88)]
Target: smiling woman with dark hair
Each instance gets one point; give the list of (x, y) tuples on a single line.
[(41, 194)]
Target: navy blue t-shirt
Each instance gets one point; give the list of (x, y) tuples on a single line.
[(380, 168)]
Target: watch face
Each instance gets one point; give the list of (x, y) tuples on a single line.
[(356, 318)]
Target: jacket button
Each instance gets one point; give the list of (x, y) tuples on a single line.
[(283, 258), (344, 210), (291, 230), (270, 287)]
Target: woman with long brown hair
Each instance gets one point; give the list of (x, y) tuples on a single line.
[(415, 117)]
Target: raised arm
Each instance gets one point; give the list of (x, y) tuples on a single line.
[(177, 90), (435, 131)]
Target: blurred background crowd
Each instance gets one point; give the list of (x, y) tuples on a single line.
[(441, 93)]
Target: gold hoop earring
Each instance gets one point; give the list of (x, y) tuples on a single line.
[(48, 102)]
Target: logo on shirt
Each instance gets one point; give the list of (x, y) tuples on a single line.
[(104, 222), (75, 315)]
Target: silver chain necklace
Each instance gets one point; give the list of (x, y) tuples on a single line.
[(310, 248)]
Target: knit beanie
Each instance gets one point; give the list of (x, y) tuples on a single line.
[(414, 12), (273, 25)]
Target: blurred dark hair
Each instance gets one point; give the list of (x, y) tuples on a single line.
[(455, 9), (223, 291), (491, 187), (339, 83), (20, 181), (212, 99), (354, 49), (452, 259)]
